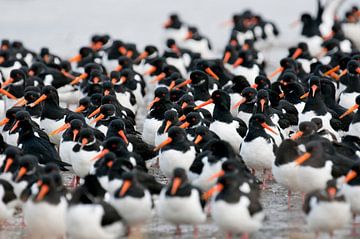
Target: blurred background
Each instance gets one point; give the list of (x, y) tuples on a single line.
[(64, 26)]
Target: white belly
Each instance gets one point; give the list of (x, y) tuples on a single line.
[(171, 159), (258, 153), (228, 133)]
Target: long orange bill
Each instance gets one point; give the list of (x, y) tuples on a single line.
[(350, 175), (255, 86), (79, 109), (216, 175), (67, 74), (211, 73), (159, 77), (217, 188), (151, 70), (123, 136), (184, 83), (297, 53), (210, 101), (304, 95), (245, 47), (301, 159), (313, 88), (157, 99), (163, 144), (7, 82), (75, 134), (282, 95), (185, 125), (142, 56), (277, 71), (238, 62), (76, 58), (109, 164), (8, 164), (262, 104), (167, 126), (335, 76), (122, 50), (84, 141), (39, 100), (332, 70), (184, 105), (358, 70), (4, 121), (242, 101), (167, 23), (182, 118), (43, 191), (297, 135), (119, 68), (344, 72), (266, 126), (198, 139), (21, 173), (21, 102), (95, 112), (129, 53), (60, 129), (175, 49), (349, 111), (227, 57), (125, 187), (332, 192), (172, 85), (16, 125), (97, 119), (101, 154), (78, 79), (7, 93), (175, 185)]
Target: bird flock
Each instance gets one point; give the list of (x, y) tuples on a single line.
[(217, 127)]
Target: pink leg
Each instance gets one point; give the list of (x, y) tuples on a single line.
[(289, 199), (253, 171), (229, 235), (196, 232), (245, 236), (354, 232), (331, 234), (178, 230), (264, 185), (317, 234), (77, 181), (303, 195)]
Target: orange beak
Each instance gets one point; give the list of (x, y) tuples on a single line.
[(211, 73), (95, 112), (332, 70), (39, 100), (79, 109), (184, 83), (242, 101), (97, 119), (198, 139), (22, 172), (238, 62), (4, 121), (163, 144), (157, 99), (277, 71), (233, 43), (172, 85), (129, 53), (16, 125), (350, 176), (67, 74), (43, 191), (151, 70), (185, 125), (8, 82), (255, 86), (142, 56), (297, 135), (119, 68), (217, 188), (75, 58), (122, 50), (79, 78), (358, 70), (210, 101), (110, 164), (159, 77), (304, 95), (313, 88), (7, 93), (75, 133), (175, 185), (123, 136), (184, 105), (344, 72), (175, 49), (266, 126), (182, 118), (21, 102), (125, 187), (106, 92), (349, 111), (167, 126), (301, 159), (8, 164), (84, 142), (332, 192), (31, 73), (297, 53), (60, 129), (262, 103), (328, 36), (167, 23), (188, 36), (227, 57), (216, 175), (101, 154)]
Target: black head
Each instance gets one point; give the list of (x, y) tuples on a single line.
[(162, 93), (249, 94), (114, 144), (31, 96), (86, 136), (107, 110), (17, 75), (180, 173), (229, 180), (353, 67), (199, 77), (171, 115), (315, 86), (76, 124), (287, 77), (177, 133), (221, 97), (262, 82), (117, 125), (151, 50), (307, 127), (193, 118), (96, 99)]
